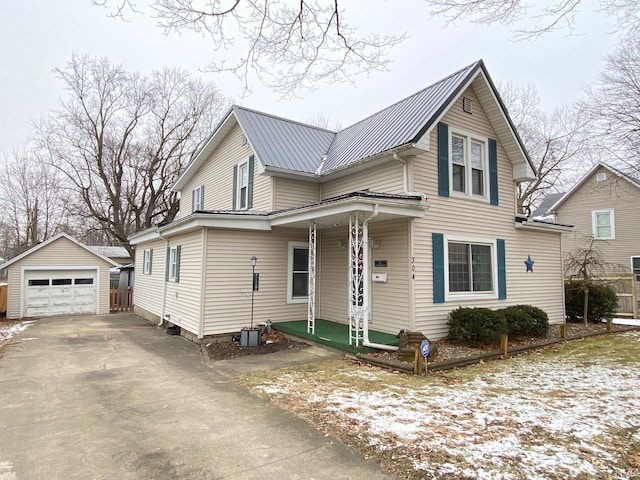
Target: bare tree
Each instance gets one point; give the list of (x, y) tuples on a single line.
[(33, 203), (122, 139), (287, 46), (545, 16), (554, 141), (615, 106)]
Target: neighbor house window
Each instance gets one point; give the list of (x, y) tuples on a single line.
[(147, 261), (173, 265), (198, 199), (468, 165), (635, 266), (470, 267), (603, 224), (298, 272), (243, 186)]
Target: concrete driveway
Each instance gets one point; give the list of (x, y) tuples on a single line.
[(112, 397)]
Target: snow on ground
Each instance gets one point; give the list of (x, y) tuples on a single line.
[(536, 417), (8, 330)]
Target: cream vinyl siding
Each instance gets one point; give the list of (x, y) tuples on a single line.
[(60, 253), (613, 193), (477, 220), (147, 291), (291, 193), (386, 178), (227, 303), (390, 300), (183, 297), (216, 174)]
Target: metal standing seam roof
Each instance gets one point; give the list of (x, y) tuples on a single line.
[(284, 143), (298, 147), (547, 202), (399, 124)]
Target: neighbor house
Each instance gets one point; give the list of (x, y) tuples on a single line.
[(604, 205), (390, 223)]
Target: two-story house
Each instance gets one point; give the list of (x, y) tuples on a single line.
[(392, 222), (603, 205)]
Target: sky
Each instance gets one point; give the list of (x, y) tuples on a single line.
[(40, 35)]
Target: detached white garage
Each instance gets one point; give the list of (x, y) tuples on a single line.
[(58, 277)]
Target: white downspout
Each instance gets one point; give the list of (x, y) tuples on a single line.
[(367, 284), (164, 284), (405, 179)]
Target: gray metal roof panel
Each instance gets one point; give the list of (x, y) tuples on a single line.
[(547, 202), (399, 124), (284, 143)]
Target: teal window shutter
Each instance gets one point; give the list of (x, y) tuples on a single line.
[(166, 264), (250, 184), (235, 186), (443, 159), (437, 240), (493, 172), (178, 248), (150, 260), (502, 270)]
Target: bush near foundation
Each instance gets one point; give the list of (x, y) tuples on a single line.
[(476, 326), (603, 302), (525, 321)]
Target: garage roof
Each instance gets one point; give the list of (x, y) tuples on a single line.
[(53, 239)]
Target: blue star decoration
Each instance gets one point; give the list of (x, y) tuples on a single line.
[(529, 263)]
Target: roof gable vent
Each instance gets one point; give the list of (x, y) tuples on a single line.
[(601, 177), (467, 105)]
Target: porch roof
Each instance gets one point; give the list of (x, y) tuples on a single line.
[(330, 212)]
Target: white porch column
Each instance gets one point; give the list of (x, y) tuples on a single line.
[(357, 301), (311, 298)]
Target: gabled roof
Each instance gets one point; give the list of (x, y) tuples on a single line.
[(546, 204), (286, 145), (53, 239), (633, 181)]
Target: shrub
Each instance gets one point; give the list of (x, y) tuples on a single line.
[(475, 326), (525, 321), (603, 302)]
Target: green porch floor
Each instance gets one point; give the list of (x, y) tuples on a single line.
[(333, 334)]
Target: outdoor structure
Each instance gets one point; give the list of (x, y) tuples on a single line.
[(390, 223), (58, 277), (605, 206)]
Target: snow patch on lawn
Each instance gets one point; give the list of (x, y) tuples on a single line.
[(529, 417), (7, 331)]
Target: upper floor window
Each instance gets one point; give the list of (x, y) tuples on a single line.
[(243, 186), (603, 224), (198, 199), (469, 172), (147, 261)]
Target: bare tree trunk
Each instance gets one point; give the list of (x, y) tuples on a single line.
[(585, 310)]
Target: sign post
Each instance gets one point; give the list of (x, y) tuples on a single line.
[(425, 348)]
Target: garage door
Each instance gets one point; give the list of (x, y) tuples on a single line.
[(59, 292)]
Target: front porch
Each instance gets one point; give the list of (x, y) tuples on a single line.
[(334, 334)]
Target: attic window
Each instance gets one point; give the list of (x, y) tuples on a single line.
[(601, 177), (467, 105)]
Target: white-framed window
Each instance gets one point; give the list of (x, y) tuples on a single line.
[(298, 272), (469, 171), (242, 201), (147, 261), (174, 264), (470, 268), (198, 198), (635, 267), (603, 223)]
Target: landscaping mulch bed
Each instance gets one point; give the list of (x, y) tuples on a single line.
[(271, 343), (448, 352)]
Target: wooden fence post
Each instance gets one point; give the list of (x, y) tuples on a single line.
[(609, 325), (563, 331), (418, 362), (504, 345)]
